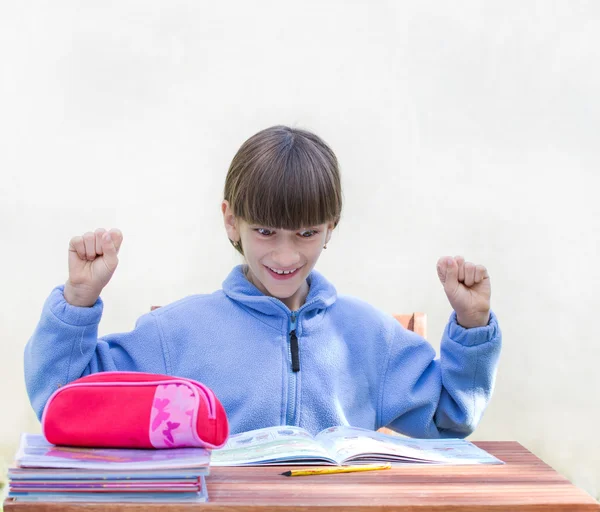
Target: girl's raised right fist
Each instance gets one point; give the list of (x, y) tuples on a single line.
[(92, 262)]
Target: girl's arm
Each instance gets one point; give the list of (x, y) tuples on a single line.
[(446, 397), (65, 346)]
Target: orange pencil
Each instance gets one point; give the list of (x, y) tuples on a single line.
[(342, 469)]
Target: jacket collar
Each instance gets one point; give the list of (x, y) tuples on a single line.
[(321, 295)]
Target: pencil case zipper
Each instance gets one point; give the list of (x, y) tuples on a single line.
[(205, 393)]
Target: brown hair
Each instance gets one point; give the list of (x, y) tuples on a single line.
[(284, 178)]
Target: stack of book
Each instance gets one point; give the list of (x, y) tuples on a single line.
[(47, 473)]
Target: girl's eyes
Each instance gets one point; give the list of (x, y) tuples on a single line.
[(303, 234)]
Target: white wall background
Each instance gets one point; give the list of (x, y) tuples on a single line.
[(462, 128)]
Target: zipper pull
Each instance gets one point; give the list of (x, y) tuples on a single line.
[(295, 352)]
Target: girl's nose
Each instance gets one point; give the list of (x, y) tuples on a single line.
[(286, 257)]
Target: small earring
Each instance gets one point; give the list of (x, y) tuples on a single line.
[(235, 244), (325, 246)]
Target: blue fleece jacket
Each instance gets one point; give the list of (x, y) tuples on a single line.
[(358, 365)]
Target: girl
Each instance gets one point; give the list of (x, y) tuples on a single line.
[(276, 344)]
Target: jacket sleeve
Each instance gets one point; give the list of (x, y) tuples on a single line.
[(65, 346), (446, 397)]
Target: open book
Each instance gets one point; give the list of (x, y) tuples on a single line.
[(342, 446)]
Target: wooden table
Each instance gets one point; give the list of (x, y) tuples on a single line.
[(524, 483)]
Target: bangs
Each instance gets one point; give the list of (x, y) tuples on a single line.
[(287, 179)]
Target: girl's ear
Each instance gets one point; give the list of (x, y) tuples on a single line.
[(230, 221), (330, 228)]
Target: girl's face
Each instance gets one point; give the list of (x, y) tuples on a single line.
[(279, 260)]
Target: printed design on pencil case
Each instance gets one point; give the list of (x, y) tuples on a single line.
[(171, 416)]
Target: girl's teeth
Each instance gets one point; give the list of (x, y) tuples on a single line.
[(283, 272)]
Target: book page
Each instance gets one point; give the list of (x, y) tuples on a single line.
[(271, 445), (357, 445), (35, 451), (112, 497)]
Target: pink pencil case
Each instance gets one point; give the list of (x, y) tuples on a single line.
[(135, 410)]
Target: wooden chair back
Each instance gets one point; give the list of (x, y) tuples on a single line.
[(416, 322)]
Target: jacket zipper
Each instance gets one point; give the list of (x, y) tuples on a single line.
[(295, 367), (294, 350)]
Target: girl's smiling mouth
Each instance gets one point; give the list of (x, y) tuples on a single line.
[(280, 273)]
